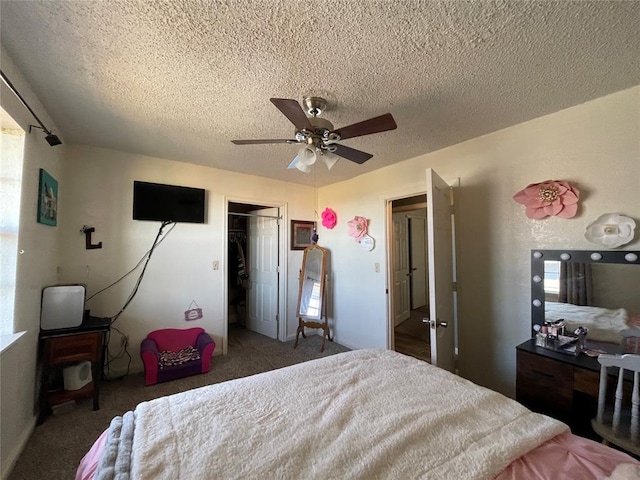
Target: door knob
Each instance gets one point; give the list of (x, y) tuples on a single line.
[(435, 323)]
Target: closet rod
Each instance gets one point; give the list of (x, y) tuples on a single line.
[(254, 215)]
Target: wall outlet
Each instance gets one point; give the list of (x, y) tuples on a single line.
[(376, 267), (216, 265)]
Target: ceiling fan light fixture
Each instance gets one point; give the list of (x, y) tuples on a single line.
[(303, 168), (296, 163), (329, 159), (307, 155), (318, 136)]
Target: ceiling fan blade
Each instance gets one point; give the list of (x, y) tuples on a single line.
[(373, 125), (352, 154), (257, 142), (293, 111)]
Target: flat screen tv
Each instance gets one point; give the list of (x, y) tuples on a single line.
[(167, 203)]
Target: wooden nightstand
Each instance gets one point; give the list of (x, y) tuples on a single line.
[(64, 347)]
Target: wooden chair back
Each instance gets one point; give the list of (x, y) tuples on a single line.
[(619, 423)]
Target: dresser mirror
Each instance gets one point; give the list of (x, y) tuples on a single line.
[(598, 290)]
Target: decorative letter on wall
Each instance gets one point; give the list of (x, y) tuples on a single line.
[(87, 232)]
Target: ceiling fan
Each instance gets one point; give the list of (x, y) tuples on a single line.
[(317, 135)]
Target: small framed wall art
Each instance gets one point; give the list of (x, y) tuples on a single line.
[(47, 199), (301, 232)]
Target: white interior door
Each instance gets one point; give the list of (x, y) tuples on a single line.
[(440, 258), (263, 272), (401, 298), (418, 229)]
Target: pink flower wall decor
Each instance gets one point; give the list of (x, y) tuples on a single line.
[(549, 198), (357, 227), (329, 218)]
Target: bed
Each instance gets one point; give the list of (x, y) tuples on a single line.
[(604, 324), (363, 414)]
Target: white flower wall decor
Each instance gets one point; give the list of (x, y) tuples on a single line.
[(611, 230)]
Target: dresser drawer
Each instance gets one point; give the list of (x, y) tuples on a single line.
[(73, 348), (543, 384), (586, 381)]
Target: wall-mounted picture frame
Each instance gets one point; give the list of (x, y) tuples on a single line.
[(47, 199), (301, 231)]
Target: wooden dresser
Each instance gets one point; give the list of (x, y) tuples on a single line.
[(559, 385)]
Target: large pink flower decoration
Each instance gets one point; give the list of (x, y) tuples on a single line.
[(549, 198), (357, 228), (329, 218)]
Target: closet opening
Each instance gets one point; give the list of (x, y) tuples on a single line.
[(252, 269)]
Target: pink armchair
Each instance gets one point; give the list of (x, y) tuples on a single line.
[(173, 353)]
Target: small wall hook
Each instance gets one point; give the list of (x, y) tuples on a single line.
[(87, 230)]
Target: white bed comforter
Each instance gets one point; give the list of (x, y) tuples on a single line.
[(363, 414), (604, 324)]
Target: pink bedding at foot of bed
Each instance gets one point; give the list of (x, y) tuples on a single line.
[(89, 463), (566, 456)]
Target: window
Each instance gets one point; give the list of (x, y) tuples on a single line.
[(11, 151), (551, 278)]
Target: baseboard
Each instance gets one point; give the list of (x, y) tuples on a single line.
[(7, 466), (349, 345)]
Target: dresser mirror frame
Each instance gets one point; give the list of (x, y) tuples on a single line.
[(538, 257)]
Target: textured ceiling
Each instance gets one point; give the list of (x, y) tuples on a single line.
[(180, 79)]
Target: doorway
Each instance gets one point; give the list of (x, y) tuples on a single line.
[(410, 291), (253, 264)]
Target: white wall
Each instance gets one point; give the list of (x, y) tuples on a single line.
[(595, 146), (98, 192), (36, 267)]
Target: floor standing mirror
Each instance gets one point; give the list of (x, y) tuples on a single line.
[(312, 294)]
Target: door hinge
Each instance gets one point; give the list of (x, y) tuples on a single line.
[(277, 317), (455, 286), (451, 202)]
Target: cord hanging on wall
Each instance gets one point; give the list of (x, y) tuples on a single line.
[(87, 232)]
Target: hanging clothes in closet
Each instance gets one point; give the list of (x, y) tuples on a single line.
[(238, 269)]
